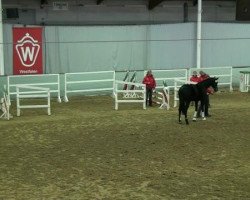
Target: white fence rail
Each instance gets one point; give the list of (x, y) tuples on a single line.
[(137, 93), (83, 80), (169, 76), (39, 93), (225, 75), (51, 81)]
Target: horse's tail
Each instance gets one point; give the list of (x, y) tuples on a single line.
[(182, 106), (181, 102)]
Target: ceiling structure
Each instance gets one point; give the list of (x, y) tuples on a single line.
[(150, 4), (82, 12), (153, 3)]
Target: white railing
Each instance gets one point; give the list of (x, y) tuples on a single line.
[(139, 93), (82, 79), (40, 93), (51, 81), (225, 75), (177, 86), (169, 76)]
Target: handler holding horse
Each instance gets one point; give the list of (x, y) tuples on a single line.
[(198, 92)]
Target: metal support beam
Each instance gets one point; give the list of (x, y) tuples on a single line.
[(198, 55), (1, 41), (99, 2), (153, 3)]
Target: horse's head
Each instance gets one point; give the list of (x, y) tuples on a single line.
[(214, 83)]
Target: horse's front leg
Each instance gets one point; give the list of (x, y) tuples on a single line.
[(195, 112)]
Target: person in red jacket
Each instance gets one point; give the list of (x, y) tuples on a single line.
[(195, 78), (203, 76), (150, 85)]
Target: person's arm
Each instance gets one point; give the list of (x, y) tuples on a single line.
[(145, 80), (154, 83)]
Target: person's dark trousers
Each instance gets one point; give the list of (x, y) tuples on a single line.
[(206, 105), (149, 93)]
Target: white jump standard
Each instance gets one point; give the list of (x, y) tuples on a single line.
[(162, 98), (140, 93), (5, 107)]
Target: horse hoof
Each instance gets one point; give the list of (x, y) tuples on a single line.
[(194, 120), (204, 118)]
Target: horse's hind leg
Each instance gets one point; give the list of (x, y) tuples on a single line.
[(179, 116), (186, 109)]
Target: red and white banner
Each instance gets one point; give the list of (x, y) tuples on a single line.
[(27, 51)]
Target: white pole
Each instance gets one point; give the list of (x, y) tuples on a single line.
[(198, 58), (1, 41)]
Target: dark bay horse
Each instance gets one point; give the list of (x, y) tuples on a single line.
[(196, 93)]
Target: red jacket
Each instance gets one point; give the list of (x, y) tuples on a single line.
[(149, 81), (203, 77), (195, 79)]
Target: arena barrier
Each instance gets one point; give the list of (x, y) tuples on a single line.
[(5, 107), (162, 98), (178, 84), (168, 77), (225, 75), (81, 82), (244, 81), (52, 81), (139, 92), (39, 93)]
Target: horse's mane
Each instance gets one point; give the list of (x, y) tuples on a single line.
[(207, 82), (210, 81)]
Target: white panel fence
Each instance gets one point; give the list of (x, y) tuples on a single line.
[(225, 75), (105, 81), (34, 92), (51, 81), (84, 83), (169, 76)]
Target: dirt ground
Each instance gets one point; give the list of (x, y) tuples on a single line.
[(88, 151)]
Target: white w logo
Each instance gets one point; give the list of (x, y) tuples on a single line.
[(27, 50)]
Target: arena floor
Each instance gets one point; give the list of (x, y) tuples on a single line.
[(87, 150)]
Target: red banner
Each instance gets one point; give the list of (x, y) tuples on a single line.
[(27, 51)]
